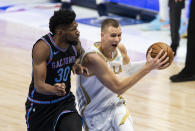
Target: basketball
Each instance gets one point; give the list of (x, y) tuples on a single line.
[(156, 48)]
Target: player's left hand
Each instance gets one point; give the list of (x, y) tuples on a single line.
[(80, 70)]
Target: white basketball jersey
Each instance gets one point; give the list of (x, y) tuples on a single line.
[(92, 95)]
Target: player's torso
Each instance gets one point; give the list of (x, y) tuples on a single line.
[(90, 91), (59, 64)]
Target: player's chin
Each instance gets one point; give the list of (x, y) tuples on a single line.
[(75, 39)]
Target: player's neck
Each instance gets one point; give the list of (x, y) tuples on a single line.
[(106, 53), (59, 43)]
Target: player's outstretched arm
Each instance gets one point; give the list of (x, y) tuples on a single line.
[(129, 68), (41, 53), (96, 65)]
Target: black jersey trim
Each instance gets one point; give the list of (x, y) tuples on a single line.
[(75, 51), (54, 44)]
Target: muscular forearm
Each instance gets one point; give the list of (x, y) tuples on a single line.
[(128, 82), (80, 53), (131, 68), (152, 63), (45, 88)]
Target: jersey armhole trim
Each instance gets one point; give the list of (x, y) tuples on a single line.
[(51, 53)]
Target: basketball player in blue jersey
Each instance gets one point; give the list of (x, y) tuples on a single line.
[(50, 104), (99, 95)]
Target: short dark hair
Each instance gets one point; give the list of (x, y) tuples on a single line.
[(61, 17), (109, 22)]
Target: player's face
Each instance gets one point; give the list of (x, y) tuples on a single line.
[(111, 37), (71, 33)]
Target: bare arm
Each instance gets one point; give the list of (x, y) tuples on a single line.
[(80, 52), (77, 67), (129, 68), (98, 67), (123, 51), (41, 53)]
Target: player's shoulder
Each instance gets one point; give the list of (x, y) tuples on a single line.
[(93, 57), (41, 45), (41, 49)]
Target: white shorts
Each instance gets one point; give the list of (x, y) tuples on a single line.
[(114, 118)]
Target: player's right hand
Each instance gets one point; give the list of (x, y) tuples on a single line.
[(158, 62), (60, 89)]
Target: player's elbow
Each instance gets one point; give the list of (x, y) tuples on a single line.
[(117, 89), (121, 87), (118, 92), (38, 87)]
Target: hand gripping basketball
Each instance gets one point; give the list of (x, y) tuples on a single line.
[(156, 48)]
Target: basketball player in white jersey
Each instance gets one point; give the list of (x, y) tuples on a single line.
[(99, 95)]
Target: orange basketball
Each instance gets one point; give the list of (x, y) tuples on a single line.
[(156, 48)]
